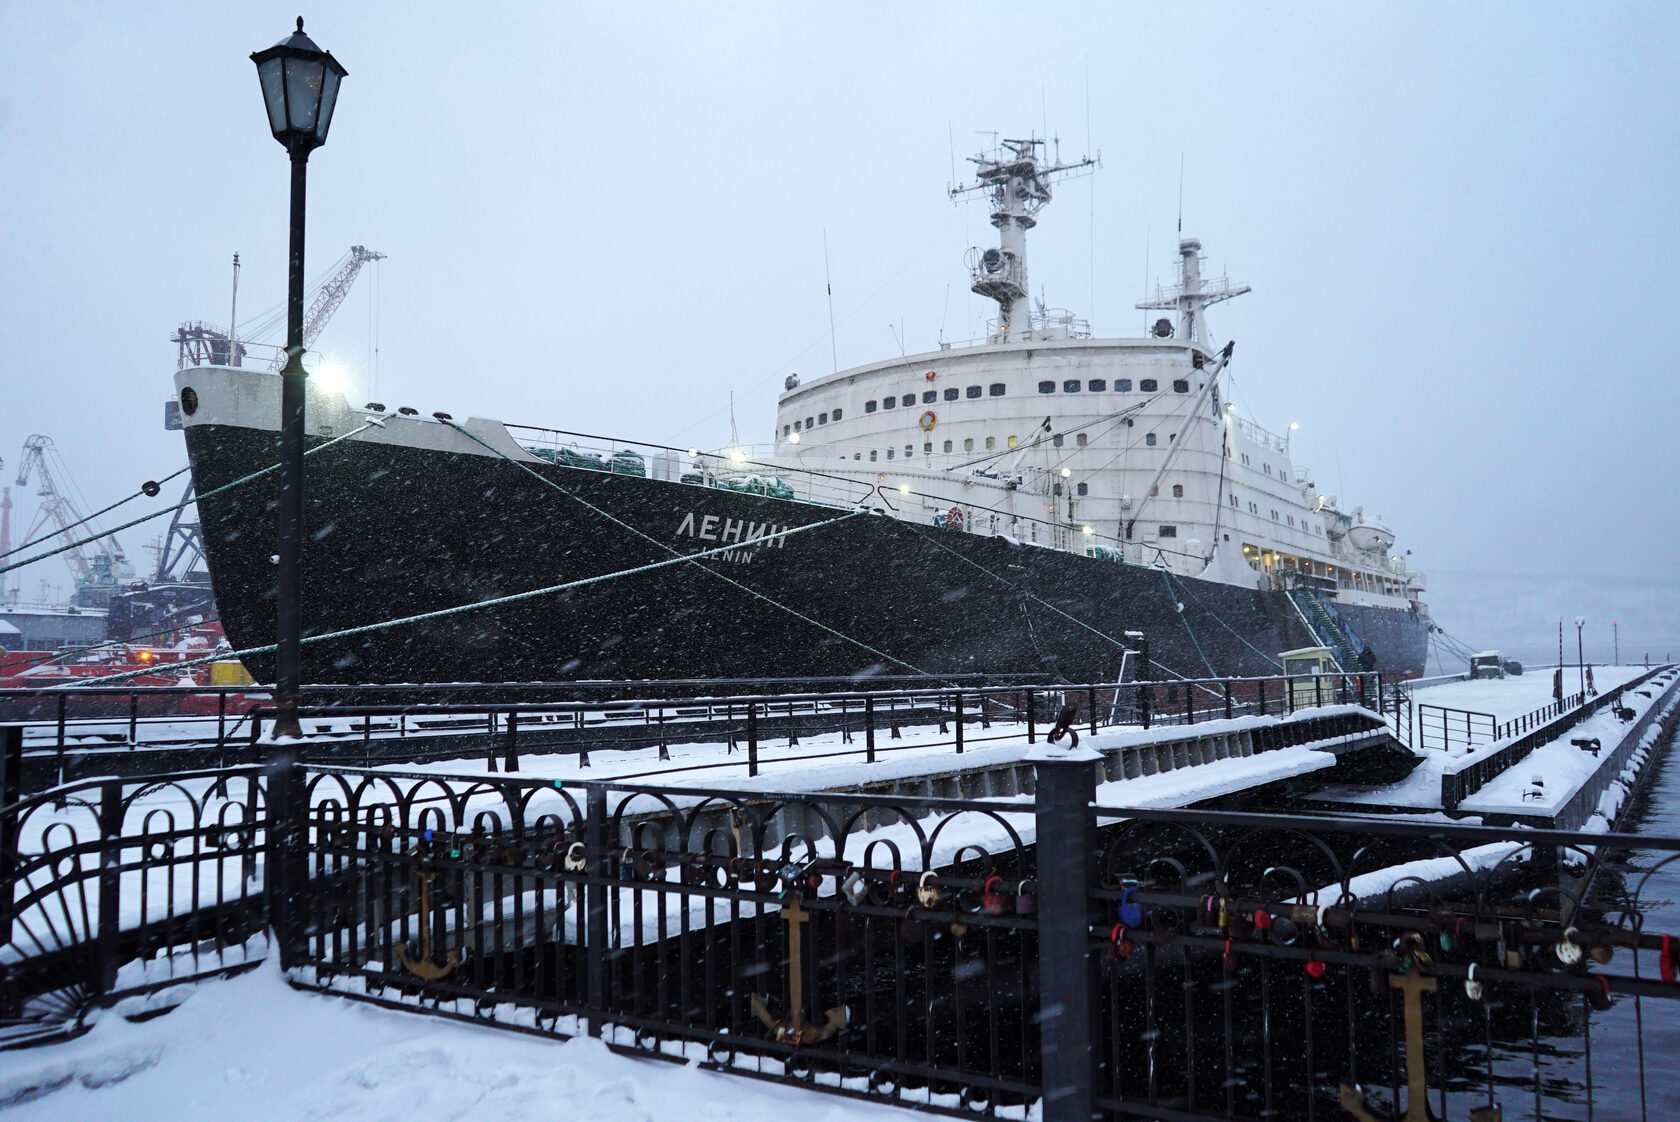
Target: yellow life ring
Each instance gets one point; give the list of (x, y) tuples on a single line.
[(932, 374), (929, 419)]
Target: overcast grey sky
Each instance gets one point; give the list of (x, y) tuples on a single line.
[(1459, 221)]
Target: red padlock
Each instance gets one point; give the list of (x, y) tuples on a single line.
[(1262, 920), (991, 900), (1118, 945), (1314, 968), (1230, 959), (1665, 961)]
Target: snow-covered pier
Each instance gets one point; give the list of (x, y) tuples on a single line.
[(1572, 770)]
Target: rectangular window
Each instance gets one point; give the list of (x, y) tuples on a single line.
[(952, 394), (869, 407), (1071, 386), (822, 418), (1233, 500), (972, 391), (907, 449), (968, 444), (1123, 385), (889, 402), (1180, 386), (798, 426), (991, 443), (909, 400), (810, 422), (837, 414), (927, 445), (1291, 521), (1168, 531), (889, 453), (1047, 387), (1014, 441), (1057, 440), (947, 446), (1098, 385), (1080, 440), (1149, 439), (996, 389), (1268, 468), (929, 397), (1148, 385), (786, 429), (873, 455), (1082, 489)]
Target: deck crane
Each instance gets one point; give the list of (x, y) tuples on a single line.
[(99, 565), (330, 295), (200, 342)]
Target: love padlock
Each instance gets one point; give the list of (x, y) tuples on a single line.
[(1119, 947), (575, 862), (854, 887), (1262, 920), (927, 895), (1472, 986), (1568, 951), (1229, 956), (1665, 961), (1026, 902), (1314, 968), (991, 899), (1130, 914)]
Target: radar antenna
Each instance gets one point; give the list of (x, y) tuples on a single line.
[(1018, 181), (1192, 295)]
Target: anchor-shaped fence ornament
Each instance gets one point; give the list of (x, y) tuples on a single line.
[(1415, 985), (423, 967), (792, 1028)]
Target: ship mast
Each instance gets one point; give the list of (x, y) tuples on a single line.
[(1191, 297), (1019, 186)]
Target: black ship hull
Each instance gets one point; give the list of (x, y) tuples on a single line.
[(393, 531)]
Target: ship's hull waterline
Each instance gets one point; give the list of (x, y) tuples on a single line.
[(395, 531)]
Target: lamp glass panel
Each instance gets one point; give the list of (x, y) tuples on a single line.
[(329, 98), (303, 91), (274, 93)]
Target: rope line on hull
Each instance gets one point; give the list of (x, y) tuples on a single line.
[(439, 613), (547, 482)]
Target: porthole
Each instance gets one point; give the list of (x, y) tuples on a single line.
[(189, 400), (996, 389), (1148, 385), (1047, 387), (973, 391), (952, 393)]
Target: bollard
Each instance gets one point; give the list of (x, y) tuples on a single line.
[(1066, 787), (512, 760), (959, 716), (752, 738)]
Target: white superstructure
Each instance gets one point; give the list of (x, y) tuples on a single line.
[(1120, 449)]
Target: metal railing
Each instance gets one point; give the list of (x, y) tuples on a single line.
[(130, 729), (899, 949)]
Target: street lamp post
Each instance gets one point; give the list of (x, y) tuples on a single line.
[(300, 88), (1580, 659)]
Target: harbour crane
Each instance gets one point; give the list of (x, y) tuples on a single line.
[(99, 570)]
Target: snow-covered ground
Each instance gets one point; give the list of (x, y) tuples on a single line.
[(1511, 697), (254, 1049)]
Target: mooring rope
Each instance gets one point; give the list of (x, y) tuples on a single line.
[(150, 488), (168, 509)]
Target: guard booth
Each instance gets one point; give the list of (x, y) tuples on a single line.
[(1303, 668), (1488, 664)]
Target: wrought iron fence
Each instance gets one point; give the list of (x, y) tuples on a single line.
[(1007, 958), (113, 890)]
